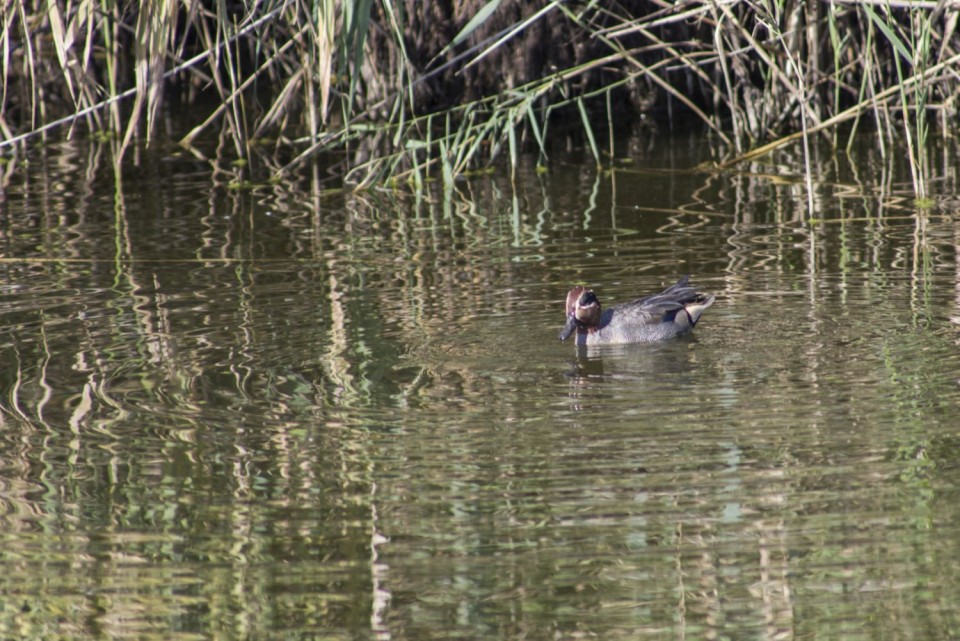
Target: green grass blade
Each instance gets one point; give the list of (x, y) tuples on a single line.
[(589, 130), (891, 37), (478, 19)]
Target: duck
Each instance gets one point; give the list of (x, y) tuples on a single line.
[(671, 313)]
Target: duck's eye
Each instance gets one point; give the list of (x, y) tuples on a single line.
[(587, 299)]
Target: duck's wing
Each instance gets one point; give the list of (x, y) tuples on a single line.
[(658, 307)]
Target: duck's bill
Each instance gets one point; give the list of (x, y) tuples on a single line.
[(568, 328)]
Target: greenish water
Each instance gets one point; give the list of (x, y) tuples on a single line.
[(274, 413)]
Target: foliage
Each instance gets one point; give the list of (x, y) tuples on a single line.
[(412, 91)]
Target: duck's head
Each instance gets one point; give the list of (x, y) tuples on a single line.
[(583, 311)]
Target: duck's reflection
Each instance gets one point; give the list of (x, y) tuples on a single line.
[(643, 362)]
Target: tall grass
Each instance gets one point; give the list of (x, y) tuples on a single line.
[(405, 91)]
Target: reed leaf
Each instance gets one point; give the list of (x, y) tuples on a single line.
[(478, 19), (898, 45), (588, 130)]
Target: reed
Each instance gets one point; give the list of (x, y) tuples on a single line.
[(403, 92)]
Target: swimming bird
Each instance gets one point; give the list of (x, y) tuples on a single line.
[(673, 312)]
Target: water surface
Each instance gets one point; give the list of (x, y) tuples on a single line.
[(283, 413)]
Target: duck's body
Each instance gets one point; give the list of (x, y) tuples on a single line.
[(658, 317)]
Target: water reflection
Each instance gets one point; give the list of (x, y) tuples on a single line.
[(229, 413), (648, 368)]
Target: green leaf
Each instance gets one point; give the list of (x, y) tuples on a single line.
[(888, 33), (481, 16), (589, 130)]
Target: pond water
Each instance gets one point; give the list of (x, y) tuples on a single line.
[(278, 412)]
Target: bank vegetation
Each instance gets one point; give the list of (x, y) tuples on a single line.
[(407, 91)]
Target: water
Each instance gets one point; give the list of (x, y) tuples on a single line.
[(278, 413)]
